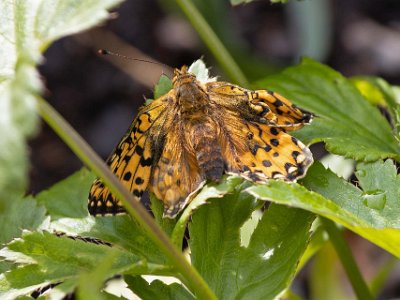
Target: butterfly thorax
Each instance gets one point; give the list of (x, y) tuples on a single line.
[(191, 97)]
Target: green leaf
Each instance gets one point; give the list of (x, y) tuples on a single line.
[(339, 165), (215, 241), (45, 258), (211, 190), (156, 289), (318, 239), (349, 125), (157, 207), (121, 231), (90, 283), (377, 90), (67, 203), (275, 249), (19, 85), (259, 271), (6, 266), (372, 212), (163, 86), (68, 198), (369, 89), (201, 71), (62, 18), (23, 213), (60, 291)]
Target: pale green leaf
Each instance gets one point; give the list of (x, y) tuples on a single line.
[(201, 71), (56, 19), (26, 29), (121, 231), (46, 258), (157, 290)]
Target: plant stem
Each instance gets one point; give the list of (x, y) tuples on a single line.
[(213, 42), (381, 277), (94, 162), (346, 257)]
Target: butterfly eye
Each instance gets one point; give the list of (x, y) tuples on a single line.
[(250, 135)]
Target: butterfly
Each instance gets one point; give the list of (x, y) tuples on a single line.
[(199, 131)]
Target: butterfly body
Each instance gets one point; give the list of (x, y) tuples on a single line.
[(199, 131)]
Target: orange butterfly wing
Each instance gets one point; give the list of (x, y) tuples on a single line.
[(254, 139), (132, 159), (287, 115), (176, 176)]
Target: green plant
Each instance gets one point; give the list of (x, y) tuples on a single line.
[(236, 252)]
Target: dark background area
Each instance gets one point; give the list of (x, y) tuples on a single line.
[(99, 95)]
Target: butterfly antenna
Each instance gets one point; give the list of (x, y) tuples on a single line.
[(108, 52)]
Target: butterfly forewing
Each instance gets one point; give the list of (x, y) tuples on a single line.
[(131, 161), (288, 116)]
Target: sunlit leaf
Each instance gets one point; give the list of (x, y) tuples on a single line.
[(46, 258), (157, 289), (263, 269), (371, 212)]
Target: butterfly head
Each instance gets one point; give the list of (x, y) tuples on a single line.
[(182, 76)]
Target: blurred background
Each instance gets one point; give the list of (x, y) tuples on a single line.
[(99, 95)]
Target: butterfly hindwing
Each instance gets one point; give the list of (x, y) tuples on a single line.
[(176, 175), (271, 153)]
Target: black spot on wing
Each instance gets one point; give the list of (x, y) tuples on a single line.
[(146, 162), (139, 180), (274, 142), (274, 131), (266, 163), (127, 176), (278, 103), (139, 150)]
